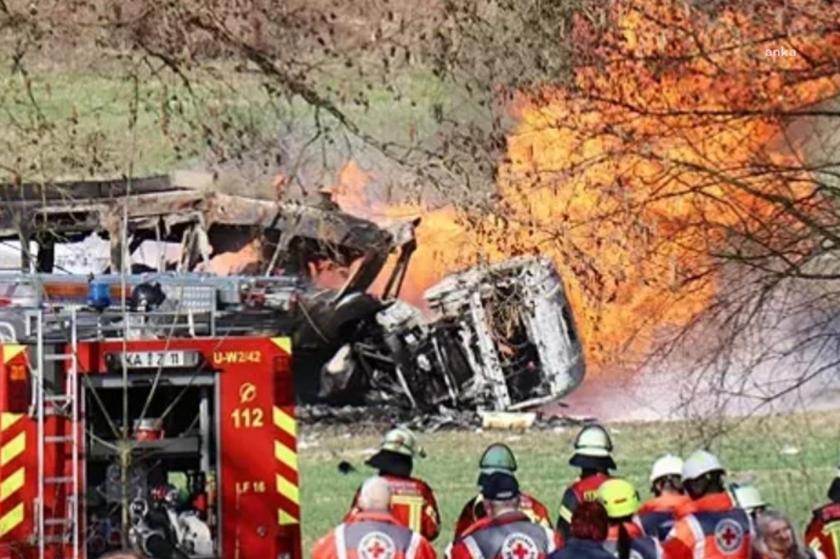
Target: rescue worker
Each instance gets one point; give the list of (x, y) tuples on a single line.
[(823, 532), (625, 535), (372, 532), (711, 526), (499, 458), (592, 455), (657, 514), (413, 503), (505, 533), (588, 532), (749, 498)]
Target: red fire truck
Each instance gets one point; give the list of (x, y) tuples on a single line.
[(125, 423)]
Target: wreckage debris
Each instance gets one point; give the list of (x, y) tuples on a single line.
[(319, 419), (498, 337)]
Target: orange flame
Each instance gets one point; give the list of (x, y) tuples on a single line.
[(633, 179)]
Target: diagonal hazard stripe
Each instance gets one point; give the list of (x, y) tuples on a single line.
[(11, 351), (286, 455), (11, 519), (11, 484), (288, 489), (284, 518), (9, 419), (285, 422), (283, 343), (12, 449)]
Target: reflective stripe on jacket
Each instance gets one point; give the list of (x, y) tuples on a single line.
[(413, 504), (585, 489), (823, 532)]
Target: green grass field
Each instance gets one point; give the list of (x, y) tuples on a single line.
[(791, 458), (86, 121)]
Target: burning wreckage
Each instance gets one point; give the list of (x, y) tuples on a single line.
[(497, 337)]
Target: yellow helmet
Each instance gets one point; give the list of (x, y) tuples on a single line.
[(619, 497), (402, 441)]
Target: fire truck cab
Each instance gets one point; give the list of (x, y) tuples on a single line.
[(170, 431)]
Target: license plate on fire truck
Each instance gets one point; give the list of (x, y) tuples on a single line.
[(153, 359)]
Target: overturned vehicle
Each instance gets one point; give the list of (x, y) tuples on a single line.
[(500, 337), (496, 336)]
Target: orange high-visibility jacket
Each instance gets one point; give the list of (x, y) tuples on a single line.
[(659, 514), (711, 527), (373, 536)]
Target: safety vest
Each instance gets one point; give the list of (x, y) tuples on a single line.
[(657, 515), (712, 529), (474, 510), (413, 504), (512, 536), (373, 536), (823, 532)]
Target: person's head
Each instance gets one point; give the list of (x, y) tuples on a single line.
[(589, 522), (375, 495), (619, 498), (749, 498), (703, 474), (593, 450), (777, 538), (666, 476), (500, 492), (396, 453), (120, 555)]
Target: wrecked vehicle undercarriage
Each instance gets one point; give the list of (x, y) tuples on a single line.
[(499, 336)]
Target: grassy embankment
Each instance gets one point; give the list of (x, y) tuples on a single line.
[(791, 458), (88, 121)]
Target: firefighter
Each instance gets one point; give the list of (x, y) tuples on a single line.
[(657, 514), (823, 532), (711, 526), (625, 535), (505, 533), (749, 498), (499, 458), (592, 455), (372, 532), (413, 503)]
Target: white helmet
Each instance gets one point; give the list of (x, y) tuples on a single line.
[(700, 463), (748, 497), (593, 440), (668, 465)]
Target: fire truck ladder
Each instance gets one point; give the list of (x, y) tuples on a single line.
[(67, 405)]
